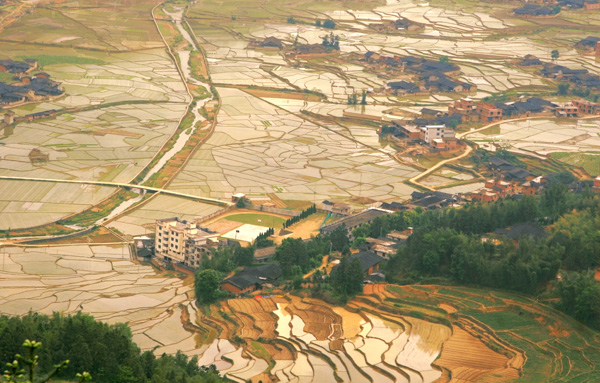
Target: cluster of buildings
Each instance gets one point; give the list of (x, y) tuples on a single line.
[(38, 87), (590, 44), (438, 137), (180, 241), (536, 10), (433, 75), (578, 77), (19, 68)]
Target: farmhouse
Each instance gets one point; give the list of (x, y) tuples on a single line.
[(403, 87), (586, 107), (432, 200), (533, 10), (265, 254), (18, 67), (488, 112), (9, 117), (530, 60), (589, 43), (411, 132), (339, 208), (566, 110), (431, 132), (38, 115), (369, 261), (353, 221), (37, 157), (251, 278)]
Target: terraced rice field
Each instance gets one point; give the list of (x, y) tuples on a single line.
[(388, 334)]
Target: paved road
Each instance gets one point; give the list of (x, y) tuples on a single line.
[(415, 179), (122, 185)]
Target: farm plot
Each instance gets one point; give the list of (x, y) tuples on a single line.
[(28, 203), (100, 280), (295, 158), (543, 137), (142, 219), (95, 78), (111, 144), (83, 24)]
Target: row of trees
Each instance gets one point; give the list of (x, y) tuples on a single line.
[(305, 213), (107, 352)]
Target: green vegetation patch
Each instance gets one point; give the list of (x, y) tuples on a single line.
[(44, 60), (257, 219), (589, 162), (504, 320)]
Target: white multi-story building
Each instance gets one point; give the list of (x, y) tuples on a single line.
[(179, 241), (430, 133)]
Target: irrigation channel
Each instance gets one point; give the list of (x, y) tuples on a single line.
[(184, 136)]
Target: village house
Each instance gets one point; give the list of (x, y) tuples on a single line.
[(339, 208), (252, 278), (264, 254), (566, 111), (530, 60), (351, 222), (18, 67), (9, 117), (430, 133), (589, 43), (488, 112), (409, 131), (536, 10), (37, 157), (596, 185), (432, 200), (403, 87), (39, 115), (271, 42), (400, 237), (180, 241), (463, 107), (369, 262), (586, 107), (393, 206), (591, 4)]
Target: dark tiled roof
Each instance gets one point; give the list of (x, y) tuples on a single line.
[(253, 275), (526, 229), (354, 220)]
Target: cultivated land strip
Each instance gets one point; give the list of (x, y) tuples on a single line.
[(122, 185)]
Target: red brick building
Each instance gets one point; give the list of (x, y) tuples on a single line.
[(488, 112)]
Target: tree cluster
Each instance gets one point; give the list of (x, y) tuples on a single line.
[(331, 41), (107, 352), (260, 239), (347, 278), (305, 213)]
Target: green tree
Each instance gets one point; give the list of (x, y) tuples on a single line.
[(292, 252), (318, 23), (554, 54), (244, 256), (444, 59), (15, 372), (291, 20), (206, 285), (329, 24), (563, 88), (354, 277), (339, 238)]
